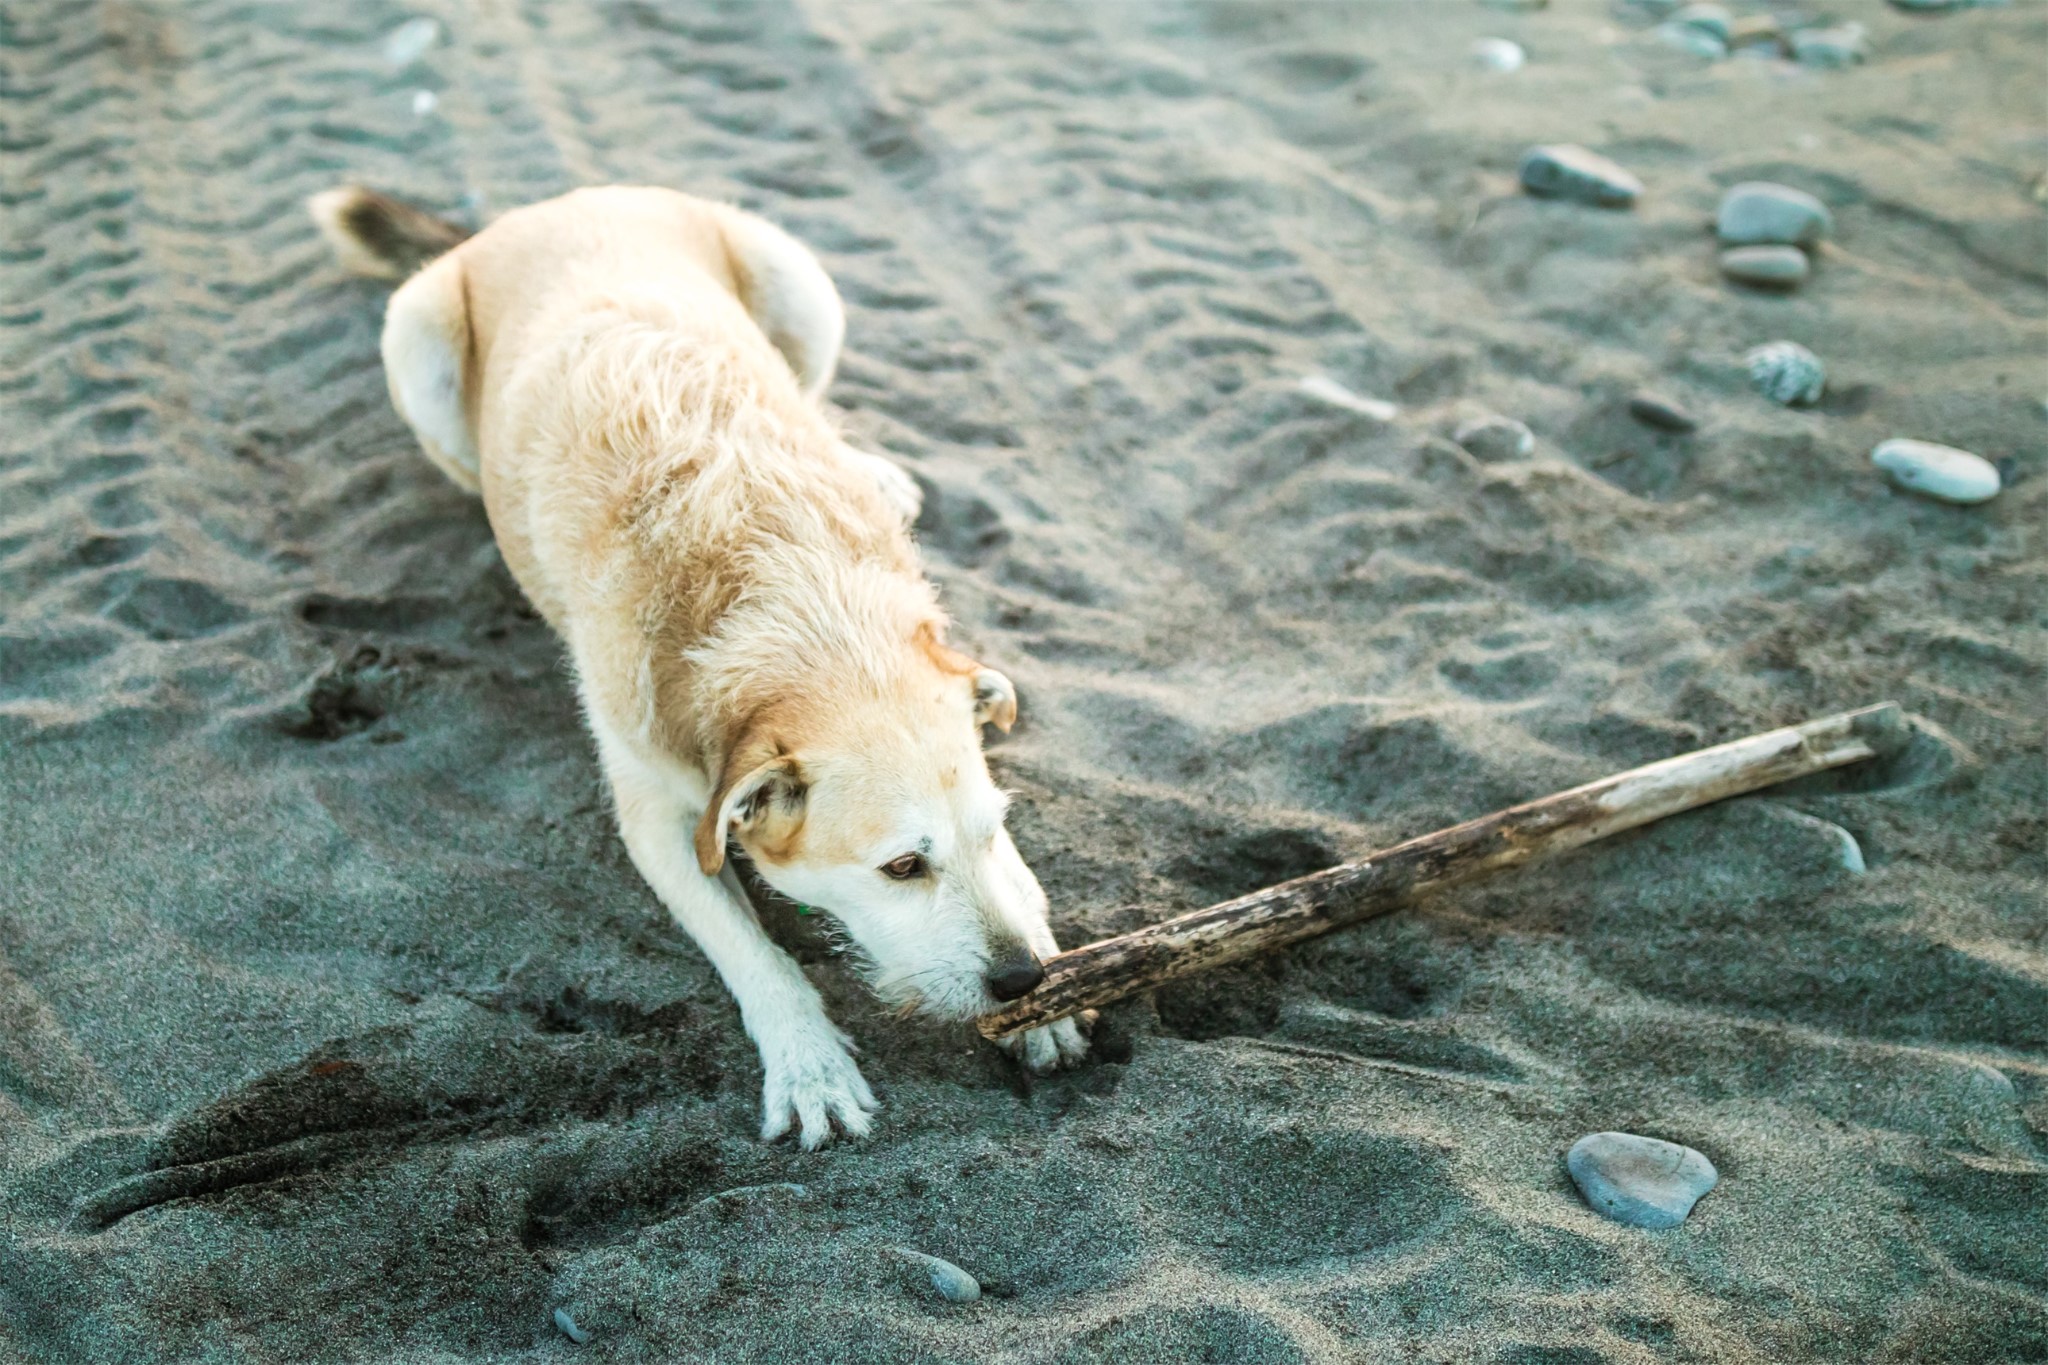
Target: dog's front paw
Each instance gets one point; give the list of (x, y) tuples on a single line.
[(897, 486), (1048, 1049), (810, 1082)]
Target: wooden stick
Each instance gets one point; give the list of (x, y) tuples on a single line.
[(1353, 892)]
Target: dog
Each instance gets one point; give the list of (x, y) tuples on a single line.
[(632, 379)]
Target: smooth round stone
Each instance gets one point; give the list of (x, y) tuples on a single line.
[(1786, 372), (1565, 171), (1498, 54), (1655, 410), (1699, 42), (949, 1281), (1516, 6), (1833, 47), (1495, 439), (1758, 213), (1938, 471), (1768, 267), (1640, 1181), (1714, 19), (1756, 31)]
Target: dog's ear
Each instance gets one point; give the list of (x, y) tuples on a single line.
[(756, 794), (995, 701)]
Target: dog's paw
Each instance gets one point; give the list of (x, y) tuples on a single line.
[(812, 1084), (897, 486), (1048, 1049)]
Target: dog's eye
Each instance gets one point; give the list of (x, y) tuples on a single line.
[(906, 868)]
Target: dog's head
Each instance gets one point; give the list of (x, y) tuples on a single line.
[(878, 808)]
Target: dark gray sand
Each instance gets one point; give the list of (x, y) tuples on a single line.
[(335, 1026)]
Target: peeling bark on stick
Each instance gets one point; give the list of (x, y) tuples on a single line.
[(1095, 975)]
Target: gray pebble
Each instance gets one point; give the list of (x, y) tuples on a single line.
[(1833, 47), (1786, 372), (1564, 171), (567, 1326), (1938, 471), (1655, 410), (1757, 212), (1640, 1181), (1495, 439), (1516, 6), (953, 1284), (1770, 267), (1699, 42), (1714, 19)]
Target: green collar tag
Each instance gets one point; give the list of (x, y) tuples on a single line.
[(803, 909)]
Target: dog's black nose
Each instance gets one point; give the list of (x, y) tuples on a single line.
[(1014, 975)]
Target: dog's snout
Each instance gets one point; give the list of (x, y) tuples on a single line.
[(1015, 974)]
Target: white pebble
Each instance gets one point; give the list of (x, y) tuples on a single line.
[(1938, 471), (409, 42), (1786, 372), (1499, 54), (1330, 391), (953, 1284), (424, 103)]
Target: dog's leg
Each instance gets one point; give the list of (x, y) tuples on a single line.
[(808, 1073), (789, 295), (426, 349)]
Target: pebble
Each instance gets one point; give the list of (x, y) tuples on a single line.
[(424, 102), (1494, 438), (1565, 171), (953, 1284), (1714, 19), (568, 1327), (1640, 1181), (1938, 471), (1330, 391), (1499, 54), (1786, 372), (1769, 267), (1688, 38), (1655, 410), (1757, 212), (1516, 6), (409, 42), (1757, 31), (1834, 47)]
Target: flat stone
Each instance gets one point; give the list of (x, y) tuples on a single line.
[(1714, 19), (1655, 410), (1495, 439), (1835, 46), (1698, 41), (1565, 171), (1643, 1182), (1768, 267), (1939, 471), (1498, 54), (948, 1281), (1756, 30), (1759, 213), (1786, 372)]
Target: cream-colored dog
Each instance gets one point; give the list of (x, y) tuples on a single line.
[(631, 378)]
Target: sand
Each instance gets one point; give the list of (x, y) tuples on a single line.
[(334, 1024)]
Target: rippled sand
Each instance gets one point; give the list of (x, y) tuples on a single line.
[(334, 1024)]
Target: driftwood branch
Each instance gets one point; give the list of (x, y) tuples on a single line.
[(1353, 892)]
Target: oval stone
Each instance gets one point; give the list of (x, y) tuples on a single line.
[(949, 1281), (1939, 471), (1768, 267), (1699, 42), (1786, 372), (1835, 46), (1566, 171), (1495, 439), (1757, 213), (1655, 410), (1643, 1182), (1708, 18)]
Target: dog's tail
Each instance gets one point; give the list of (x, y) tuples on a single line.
[(374, 234)]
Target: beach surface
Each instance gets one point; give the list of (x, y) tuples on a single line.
[(335, 1025)]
